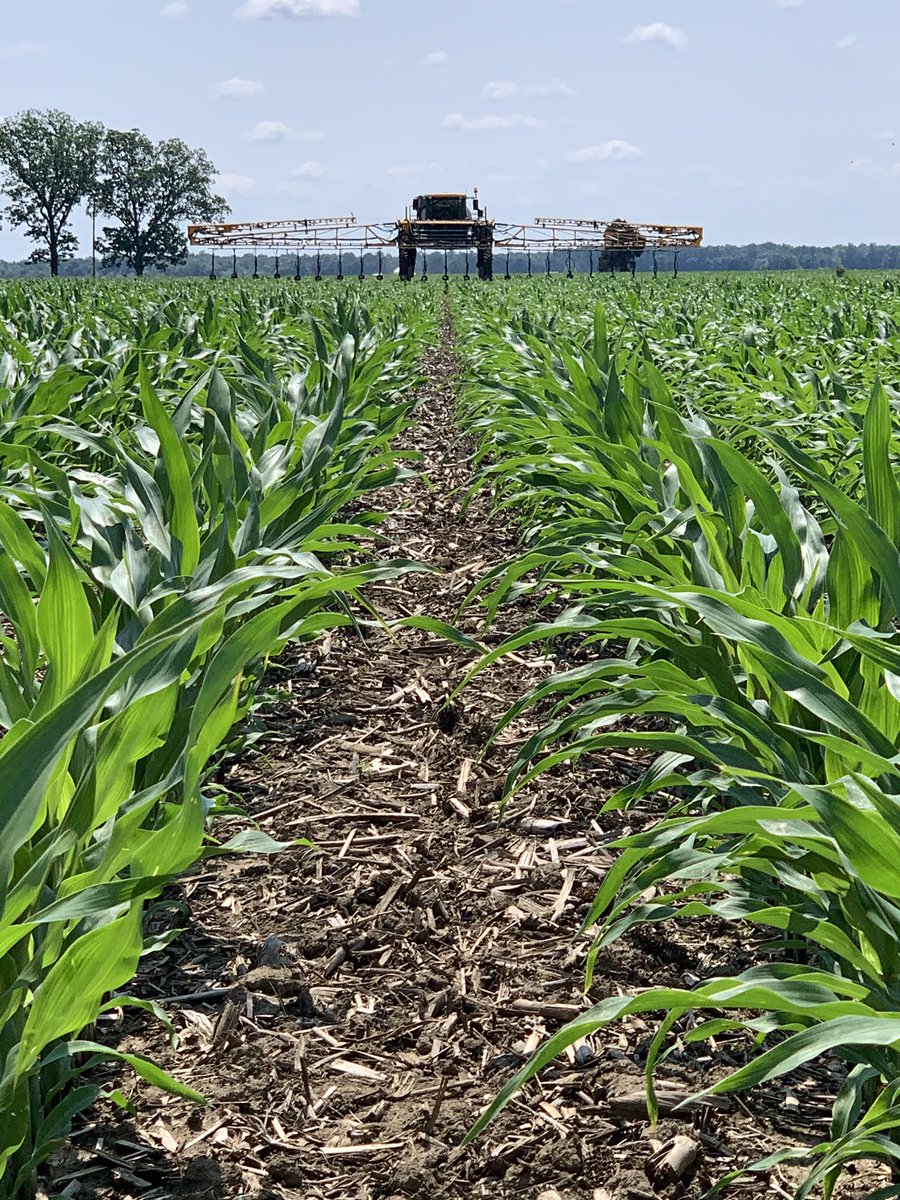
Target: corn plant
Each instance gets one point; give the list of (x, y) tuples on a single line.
[(752, 603), (172, 468)]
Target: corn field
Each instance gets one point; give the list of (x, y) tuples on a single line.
[(702, 478)]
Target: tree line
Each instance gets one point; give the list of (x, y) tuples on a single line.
[(51, 165)]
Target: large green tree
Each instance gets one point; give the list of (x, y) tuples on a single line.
[(49, 163), (150, 189)]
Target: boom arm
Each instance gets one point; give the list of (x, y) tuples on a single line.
[(302, 233), (573, 233), (547, 233)]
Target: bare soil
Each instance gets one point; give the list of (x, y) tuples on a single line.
[(348, 1009)]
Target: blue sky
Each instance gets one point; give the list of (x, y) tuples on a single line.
[(759, 119)]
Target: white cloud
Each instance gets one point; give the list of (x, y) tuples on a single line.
[(504, 91), (308, 170), (435, 58), (413, 170), (659, 31), (230, 184), (269, 131), (492, 121), (499, 91), (24, 50), (240, 89), (555, 87), (615, 150), (178, 8), (252, 10), (885, 135), (845, 42)]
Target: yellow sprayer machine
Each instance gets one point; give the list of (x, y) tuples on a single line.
[(453, 222)]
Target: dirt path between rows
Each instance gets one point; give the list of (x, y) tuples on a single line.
[(349, 1010)]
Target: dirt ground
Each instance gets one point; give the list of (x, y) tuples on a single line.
[(349, 1009)]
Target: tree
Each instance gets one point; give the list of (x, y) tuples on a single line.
[(49, 163), (150, 190)]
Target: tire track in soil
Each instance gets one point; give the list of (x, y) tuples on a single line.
[(348, 1011)]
